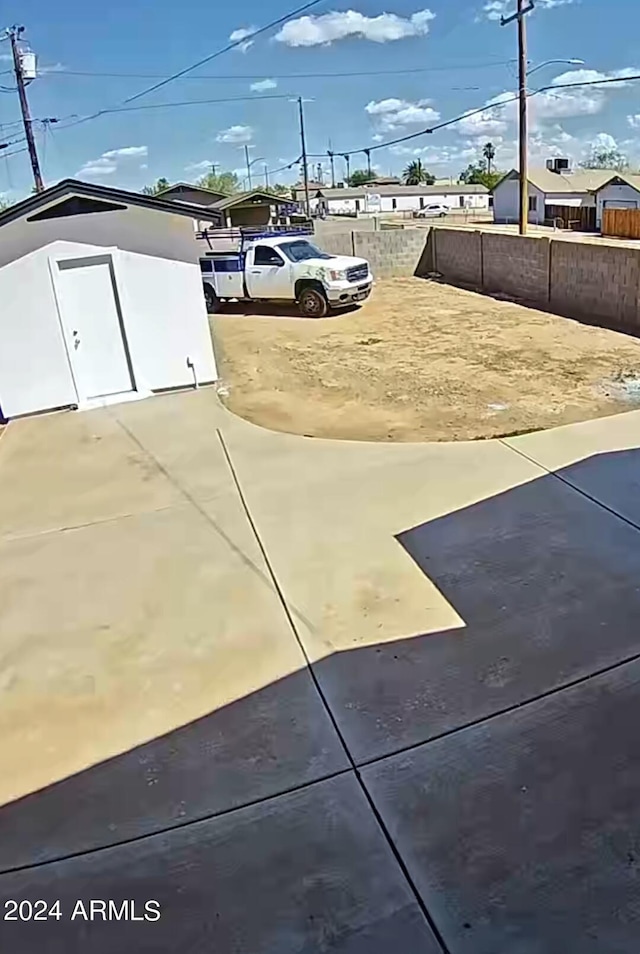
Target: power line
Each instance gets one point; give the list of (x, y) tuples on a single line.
[(325, 75), (207, 59), (230, 46), (185, 102), (475, 112)]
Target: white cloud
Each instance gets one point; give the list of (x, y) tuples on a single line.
[(111, 161), (126, 152), (235, 134), (377, 137), (493, 120), (203, 166), (98, 167), (392, 113), (549, 105), (495, 9), (263, 85), (328, 27), (240, 34), (634, 121)]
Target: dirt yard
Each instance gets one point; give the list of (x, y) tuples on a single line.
[(421, 361)]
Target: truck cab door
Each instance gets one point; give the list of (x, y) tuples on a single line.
[(267, 273)]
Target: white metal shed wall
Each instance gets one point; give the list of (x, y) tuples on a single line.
[(34, 368), (163, 313), (135, 229), (165, 317)]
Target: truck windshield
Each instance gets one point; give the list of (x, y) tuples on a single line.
[(300, 251)]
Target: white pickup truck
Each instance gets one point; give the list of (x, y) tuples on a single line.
[(283, 266)]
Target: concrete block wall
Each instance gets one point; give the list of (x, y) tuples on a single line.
[(391, 254), (599, 282), (336, 243), (458, 256), (322, 227), (516, 266)]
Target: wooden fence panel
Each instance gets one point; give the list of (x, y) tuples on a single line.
[(580, 218), (625, 223)]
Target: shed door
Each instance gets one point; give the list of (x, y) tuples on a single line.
[(90, 315)]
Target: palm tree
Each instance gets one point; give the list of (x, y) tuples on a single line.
[(489, 153), (415, 173)]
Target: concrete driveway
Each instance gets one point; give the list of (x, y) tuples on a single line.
[(314, 696)]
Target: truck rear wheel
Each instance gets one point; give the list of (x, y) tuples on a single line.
[(212, 301), (312, 303)]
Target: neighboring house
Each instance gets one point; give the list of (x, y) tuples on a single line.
[(620, 191), (101, 299), (570, 196), (255, 207), (188, 192), (368, 200)]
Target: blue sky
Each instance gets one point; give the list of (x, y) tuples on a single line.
[(469, 59)]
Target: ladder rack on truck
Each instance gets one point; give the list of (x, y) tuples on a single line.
[(236, 239)]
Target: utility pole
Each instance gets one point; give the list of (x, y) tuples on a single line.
[(347, 159), (333, 169), (367, 153), (13, 34), (520, 16), (266, 176), (246, 156), (305, 170)]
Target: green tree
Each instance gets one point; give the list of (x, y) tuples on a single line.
[(4, 203), (477, 174), (284, 191), (225, 182), (416, 174), (158, 186), (360, 176), (606, 159), (489, 153)]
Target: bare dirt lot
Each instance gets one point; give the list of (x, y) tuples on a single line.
[(420, 361)]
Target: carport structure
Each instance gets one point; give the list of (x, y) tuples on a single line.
[(319, 696)]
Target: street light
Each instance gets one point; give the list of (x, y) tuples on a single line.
[(249, 164), (573, 62)]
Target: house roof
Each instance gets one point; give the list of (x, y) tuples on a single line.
[(180, 187), (633, 181), (70, 187), (580, 181), (249, 198), (398, 190)]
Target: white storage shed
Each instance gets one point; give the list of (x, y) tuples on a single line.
[(100, 299)]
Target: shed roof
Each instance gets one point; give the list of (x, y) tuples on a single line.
[(74, 187)]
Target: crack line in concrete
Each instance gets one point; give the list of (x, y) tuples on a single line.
[(265, 577), (567, 483), (67, 528), (354, 767)]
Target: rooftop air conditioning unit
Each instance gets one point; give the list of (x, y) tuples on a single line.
[(558, 165)]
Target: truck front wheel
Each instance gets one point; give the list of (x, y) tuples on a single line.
[(312, 303)]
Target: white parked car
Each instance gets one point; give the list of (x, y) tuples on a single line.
[(437, 210), (284, 266)]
